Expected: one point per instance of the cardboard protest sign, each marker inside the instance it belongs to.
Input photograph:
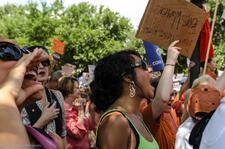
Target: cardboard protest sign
(165, 21)
(58, 46)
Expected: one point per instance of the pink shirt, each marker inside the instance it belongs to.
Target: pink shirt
(77, 133)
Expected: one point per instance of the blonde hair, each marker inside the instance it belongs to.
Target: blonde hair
(205, 79)
(3, 39)
(185, 114)
(66, 85)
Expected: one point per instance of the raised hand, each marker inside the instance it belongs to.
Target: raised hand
(173, 53)
(11, 87)
(10, 93)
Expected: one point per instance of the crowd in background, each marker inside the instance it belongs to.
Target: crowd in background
(123, 105)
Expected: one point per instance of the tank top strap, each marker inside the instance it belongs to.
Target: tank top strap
(128, 120)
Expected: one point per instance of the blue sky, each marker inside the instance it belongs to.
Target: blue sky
(131, 9)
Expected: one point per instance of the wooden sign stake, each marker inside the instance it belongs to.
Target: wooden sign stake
(210, 38)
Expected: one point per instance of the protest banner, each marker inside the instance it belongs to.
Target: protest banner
(165, 21)
(58, 46)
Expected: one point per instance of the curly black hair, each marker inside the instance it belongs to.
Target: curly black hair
(107, 87)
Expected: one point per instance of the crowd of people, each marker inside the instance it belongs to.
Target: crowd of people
(121, 108)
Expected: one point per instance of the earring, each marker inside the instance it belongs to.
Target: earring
(132, 89)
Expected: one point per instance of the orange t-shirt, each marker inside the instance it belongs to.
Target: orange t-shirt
(163, 130)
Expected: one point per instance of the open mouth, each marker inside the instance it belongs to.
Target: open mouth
(31, 75)
(41, 73)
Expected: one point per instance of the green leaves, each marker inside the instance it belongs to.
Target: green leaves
(89, 33)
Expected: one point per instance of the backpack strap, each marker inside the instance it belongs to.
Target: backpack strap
(33, 112)
(196, 133)
(59, 120)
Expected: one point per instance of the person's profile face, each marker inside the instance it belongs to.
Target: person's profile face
(143, 79)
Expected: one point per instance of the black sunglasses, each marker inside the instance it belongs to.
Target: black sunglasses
(9, 51)
(141, 64)
(31, 48)
(46, 62)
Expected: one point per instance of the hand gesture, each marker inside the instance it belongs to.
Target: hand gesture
(11, 87)
(49, 113)
(90, 110)
(173, 53)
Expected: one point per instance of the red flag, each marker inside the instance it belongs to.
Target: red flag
(204, 40)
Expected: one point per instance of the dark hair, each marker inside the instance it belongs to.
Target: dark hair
(108, 78)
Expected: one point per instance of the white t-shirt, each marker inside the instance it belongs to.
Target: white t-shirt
(214, 134)
(183, 134)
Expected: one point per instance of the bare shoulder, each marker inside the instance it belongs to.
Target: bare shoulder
(114, 131)
(114, 119)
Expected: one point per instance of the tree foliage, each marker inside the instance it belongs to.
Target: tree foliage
(89, 32)
(218, 36)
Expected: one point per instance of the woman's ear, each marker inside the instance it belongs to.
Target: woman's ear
(127, 78)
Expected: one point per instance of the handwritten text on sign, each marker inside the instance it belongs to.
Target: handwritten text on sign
(165, 21)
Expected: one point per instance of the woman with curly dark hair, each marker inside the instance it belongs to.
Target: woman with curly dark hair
(121, 82)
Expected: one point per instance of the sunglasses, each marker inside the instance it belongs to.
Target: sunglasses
(31, 48)
(46, 62)
(141, 64)
(145, 66)
(10, 52)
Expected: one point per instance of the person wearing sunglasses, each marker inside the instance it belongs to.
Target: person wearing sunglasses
(48, 113)
(10, 53)
(14, 64)
(121, 81)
